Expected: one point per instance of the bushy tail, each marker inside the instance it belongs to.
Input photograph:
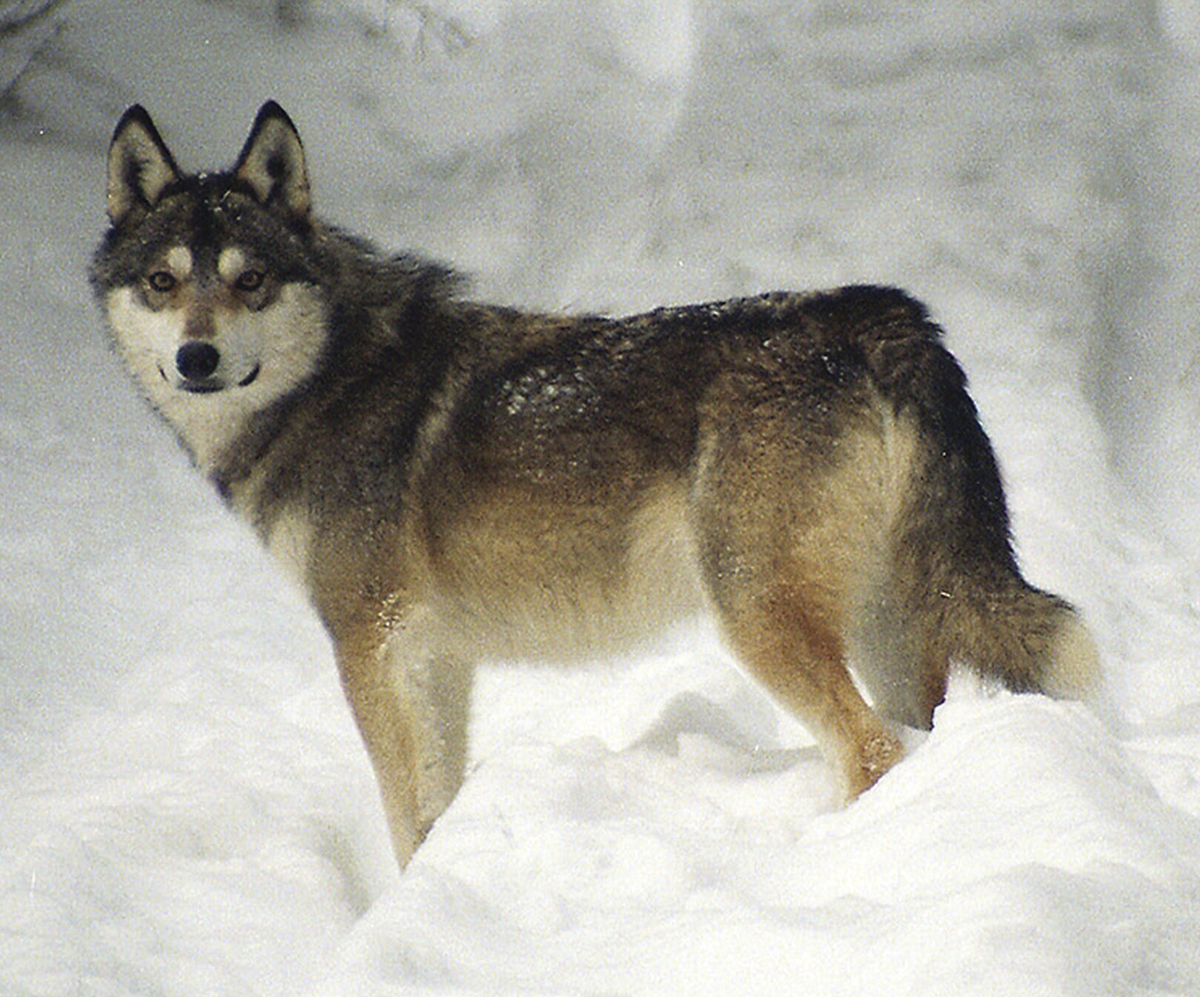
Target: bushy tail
(954, 581)
(1030, 640)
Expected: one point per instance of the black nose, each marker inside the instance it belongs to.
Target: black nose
(196, 361)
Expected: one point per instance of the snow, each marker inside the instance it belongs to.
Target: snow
(187, 808)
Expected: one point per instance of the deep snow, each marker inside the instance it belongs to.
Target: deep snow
(187, 808)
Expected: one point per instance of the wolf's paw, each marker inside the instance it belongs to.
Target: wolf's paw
(876, 754)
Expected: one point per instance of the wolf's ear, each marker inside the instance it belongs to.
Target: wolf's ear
(272, 162)
(140, 166)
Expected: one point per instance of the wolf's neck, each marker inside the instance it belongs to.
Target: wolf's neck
(206, 432)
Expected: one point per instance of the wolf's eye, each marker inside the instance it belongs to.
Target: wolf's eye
(249, 280)
(161, 281)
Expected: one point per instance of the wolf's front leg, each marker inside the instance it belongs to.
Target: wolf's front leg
(411, 706)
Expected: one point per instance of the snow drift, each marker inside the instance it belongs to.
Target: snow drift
(187, 809)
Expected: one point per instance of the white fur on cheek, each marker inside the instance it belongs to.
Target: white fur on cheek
(301, 335)
(147, 339)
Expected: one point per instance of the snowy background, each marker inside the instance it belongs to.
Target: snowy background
(184, 805)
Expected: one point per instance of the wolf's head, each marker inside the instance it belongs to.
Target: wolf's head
(211, 282)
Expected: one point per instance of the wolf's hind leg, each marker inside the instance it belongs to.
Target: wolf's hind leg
(789, 509)
(793, 645)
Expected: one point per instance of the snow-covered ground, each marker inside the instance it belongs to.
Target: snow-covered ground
(185, 806)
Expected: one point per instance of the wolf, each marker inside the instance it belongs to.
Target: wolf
(453, 481)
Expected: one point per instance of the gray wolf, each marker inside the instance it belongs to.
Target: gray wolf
(450, 480)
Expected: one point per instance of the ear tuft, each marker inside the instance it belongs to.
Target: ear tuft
(272, 162)
(140, 166)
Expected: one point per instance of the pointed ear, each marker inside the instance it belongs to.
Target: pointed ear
(140, 166)
(272, 162)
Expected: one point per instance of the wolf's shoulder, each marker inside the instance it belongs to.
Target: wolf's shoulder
(357, 271)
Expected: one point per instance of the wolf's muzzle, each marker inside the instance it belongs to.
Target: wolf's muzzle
(197, 365)
(197, 361)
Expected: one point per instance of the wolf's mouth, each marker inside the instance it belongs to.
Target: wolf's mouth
(208, 385)
(205, 387)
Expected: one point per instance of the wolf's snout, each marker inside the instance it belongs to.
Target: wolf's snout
(196, 361)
